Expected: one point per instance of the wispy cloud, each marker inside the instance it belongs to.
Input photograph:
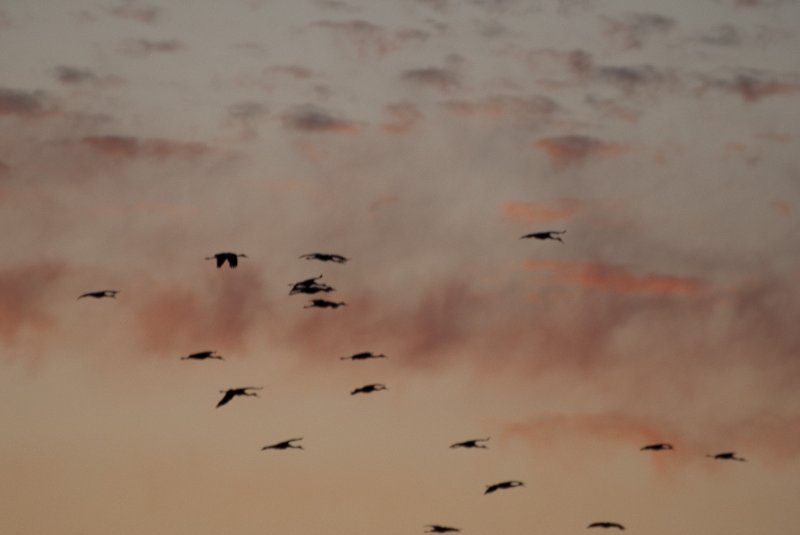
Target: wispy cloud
(145, 47)
(370, 40)
(133, 147)
(441, 79)
(145, 14)
(518, 109)
(542, 212)
(751, 85)
(25, 294)
(577, 149)
(401, 117)
(23, 103)
(633, 30)
(314, 119)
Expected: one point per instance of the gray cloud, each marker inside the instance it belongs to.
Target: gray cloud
(635, 29)
(314, 119)
(24, 103)
(434, 77)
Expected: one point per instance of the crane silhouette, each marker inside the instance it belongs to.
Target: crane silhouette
(285, 445)
(436, 528)
(367, 389)
(727, 456)
(471, 443)
(546, 235)
(325, 257)
(310, 286)
(364, 356)
(324, 303)
(606, 525)
(100, 294)
(231, 258)
(503, 485)
(657, 447)
(203, 355)
(241, 391)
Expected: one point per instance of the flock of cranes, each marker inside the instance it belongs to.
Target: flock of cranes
(312, 286)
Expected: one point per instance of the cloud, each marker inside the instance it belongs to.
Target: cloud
(143, 47)
(401, 117)
(437, 78)
(371, 40)
(522, 109)
(295, 71)
(25, 295)
(22, 103)
(611, 108)
(751, 85)
(313, 119)
(73, 75)
(636, 79)
(723, 35)
(140, 13)
(133, 147)
(634, 29)
(542, 212)
(616, 278)
(247, 115)
(220, 315)
(576, 149)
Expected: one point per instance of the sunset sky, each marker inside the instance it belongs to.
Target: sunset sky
(420, 139)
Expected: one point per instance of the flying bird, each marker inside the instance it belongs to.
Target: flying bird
(233, 392)
(369, 389)
(503, 485)
(546, 235)
(471, 443)
(727, 456)
(310, 286)
(203, 355)
(231, 258)
(606, 525)
(436, 528)
(657, 447)
(324, 303)
(325, 257)
(364, 356)
(286, 444)
(100, 294)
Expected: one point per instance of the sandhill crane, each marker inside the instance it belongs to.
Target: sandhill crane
(324, 303)
(657, 447)
(203, 355)
(310, 286)
(364, 356)
(503, 485)
(436, 528)
(241, 391)
(546, 235)
(606, 525)
(100, 294)
(286, 444)
(727, 456)
(366, 389)
(471, 443)
(325, 257)
(231, 258)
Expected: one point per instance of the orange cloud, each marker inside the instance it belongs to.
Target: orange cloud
(402, 118)
(576, 149)
(132, 147)
(24, 298)
(535, 212)
(616, 278)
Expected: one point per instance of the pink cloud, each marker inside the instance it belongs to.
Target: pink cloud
(25, 294)
(542, 212)
(616, 278)
(401, 118)
(576, 149)
(132, 147)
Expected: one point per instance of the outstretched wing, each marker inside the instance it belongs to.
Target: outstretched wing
(229, 395)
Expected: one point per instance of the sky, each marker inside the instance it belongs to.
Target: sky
(420, 139)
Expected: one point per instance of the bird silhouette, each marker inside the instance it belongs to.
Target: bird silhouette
(471, 443)
(657, 447)
(286, 444)
(503, 485)
(546, 235)
(100, 294)
(241, 391)
(727, 456)
(310, 286)
(606, 525)
(203, 355)
(231, 258)
(324, 303)
(364, 356)
(325, 257)
(369, 389)
(436, 528)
